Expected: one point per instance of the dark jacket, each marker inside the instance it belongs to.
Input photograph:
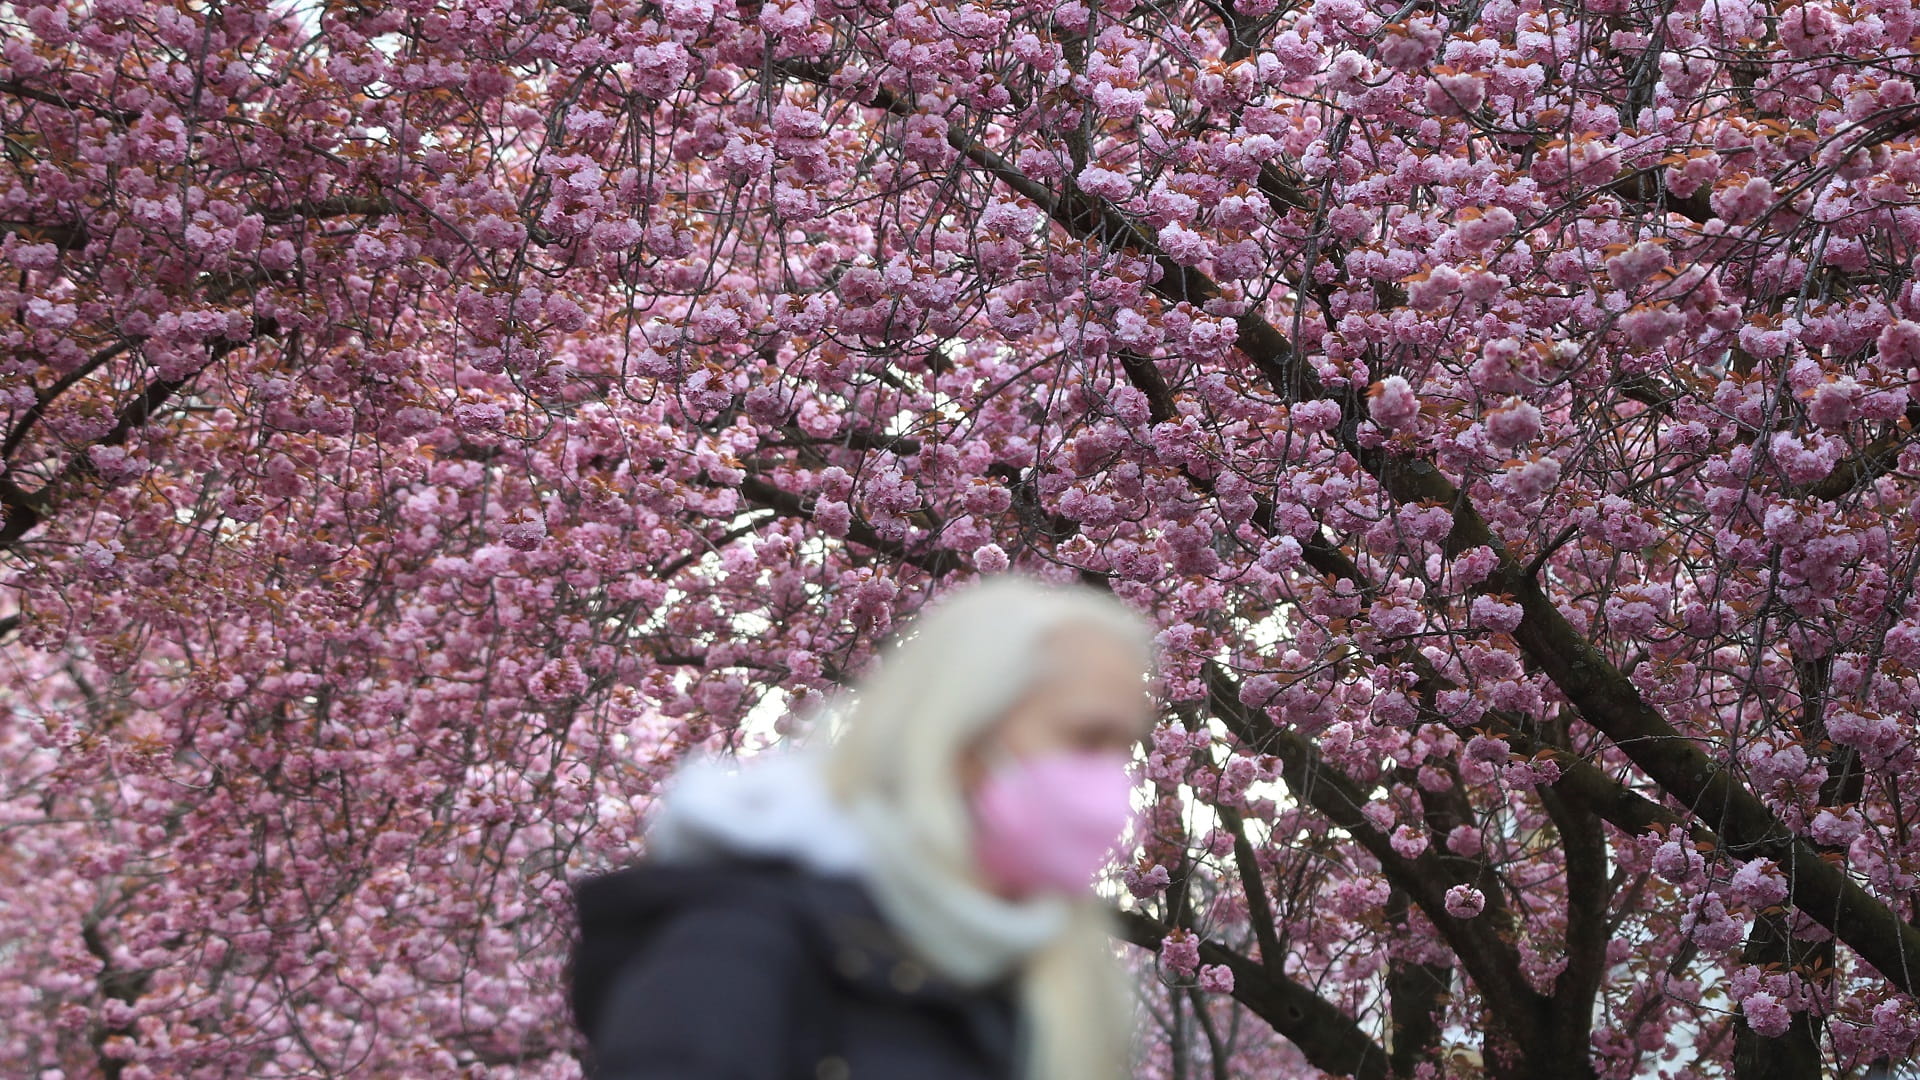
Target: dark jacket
(758, 971)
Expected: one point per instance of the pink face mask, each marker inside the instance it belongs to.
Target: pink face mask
(1047, 823)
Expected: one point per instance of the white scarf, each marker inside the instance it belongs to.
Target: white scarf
(777, 805)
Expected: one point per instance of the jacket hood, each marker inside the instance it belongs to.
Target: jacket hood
(620, 912)
(771, 806)
(721, 831)
(719, 827)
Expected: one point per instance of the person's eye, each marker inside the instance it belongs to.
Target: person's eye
(1101, 736)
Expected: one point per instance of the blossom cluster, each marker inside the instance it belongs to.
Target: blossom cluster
(422, 423)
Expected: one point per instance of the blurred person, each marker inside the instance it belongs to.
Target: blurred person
(911, 900)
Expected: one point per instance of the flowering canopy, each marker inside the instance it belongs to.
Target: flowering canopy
(421, 421)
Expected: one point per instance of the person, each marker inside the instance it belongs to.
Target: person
(912, 900)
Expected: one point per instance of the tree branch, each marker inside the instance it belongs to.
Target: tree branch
(1602, 693)
(1608, 700)
(46, 397)
(1876, 459)
(47, 97)
(937, 562)
(26, 509)
(338, 206)
(1491, 961)
(65, 235)
(1589, 894)
(1254, 886)
(1415, 995)
(1330, 1039)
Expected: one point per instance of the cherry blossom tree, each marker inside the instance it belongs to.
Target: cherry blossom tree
(424, 422)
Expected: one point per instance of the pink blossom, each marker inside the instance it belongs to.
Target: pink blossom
(1496, 614)
(100, 558)
(1313, 416)
(1804, 459)
(833, 516)
(1413, 46)
(1899, 343)
(1757, 884)
(114, 464)
(1465, 901)
(1807, 30)
(1531, 773)
(1392, 404)
(1650, 327)
(1432, 289)
(1636, 265)
(479, 415)
(660, 67)
(1765, 1014)
(1465, 841)
(1482, 286)
(989, 558)
(1105, 183)
(524, 531)
(1833, 829)
(1834, 404)
(1771, 766)
(1708, 922)
(1143, 884)
(1533, 479)
(1676, 861)
(34, 256)
(687, 12)
(1216, 979)
(1408, 841)
(1741, 204)
(1349, 72)
(1180, 952)
(1515, 423)
(1185, 246)
(1118, 101)
(1868, 731)
(1454, 95)
(1486, 227)
(1763, 343)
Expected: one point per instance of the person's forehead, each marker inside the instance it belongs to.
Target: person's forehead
(1114, 673)
(1084, 639)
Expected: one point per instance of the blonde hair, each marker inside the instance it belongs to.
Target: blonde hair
(965, 662)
